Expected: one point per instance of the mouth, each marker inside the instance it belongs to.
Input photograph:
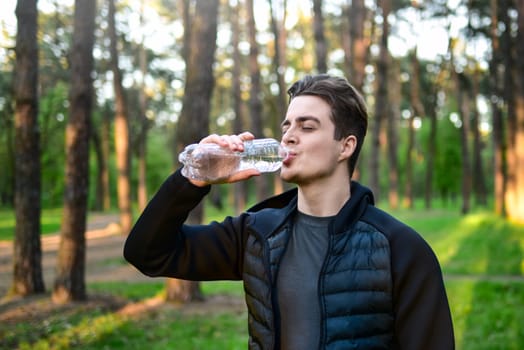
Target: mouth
(289, 158)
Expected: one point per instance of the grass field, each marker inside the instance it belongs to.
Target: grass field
(50, 222)
(481, 256)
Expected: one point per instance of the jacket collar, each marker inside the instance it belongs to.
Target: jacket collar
(352, 211)
(271, 213)
(267, 221)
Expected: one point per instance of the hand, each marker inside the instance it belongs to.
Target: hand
(233, 142)
(236, 144)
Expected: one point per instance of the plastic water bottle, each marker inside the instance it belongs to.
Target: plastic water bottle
(211, 163)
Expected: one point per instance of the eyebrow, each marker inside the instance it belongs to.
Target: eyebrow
(301, 119)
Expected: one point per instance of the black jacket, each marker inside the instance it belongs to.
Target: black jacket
(380, 288)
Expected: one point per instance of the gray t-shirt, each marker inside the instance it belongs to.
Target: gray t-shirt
(297, 282)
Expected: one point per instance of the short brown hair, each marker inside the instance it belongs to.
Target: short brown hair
(348, 109)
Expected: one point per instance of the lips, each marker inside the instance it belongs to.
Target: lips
(289, 158)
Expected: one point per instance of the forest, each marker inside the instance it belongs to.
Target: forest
(98, 97)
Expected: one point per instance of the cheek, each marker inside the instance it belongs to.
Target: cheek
(323, 152)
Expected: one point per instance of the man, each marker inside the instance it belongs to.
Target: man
(322, 267)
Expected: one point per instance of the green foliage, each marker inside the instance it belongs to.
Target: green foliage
(448, 160)
(52, 120)
(160, 159)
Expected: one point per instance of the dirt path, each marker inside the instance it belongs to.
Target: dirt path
(104, 263)
(104, 255)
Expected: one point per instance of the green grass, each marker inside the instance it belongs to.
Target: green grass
(129, 291)
(168, 328)
(487, 315)
(480, 243)
(482, 257)
(50, 222)
(137, 291)
(160, 330)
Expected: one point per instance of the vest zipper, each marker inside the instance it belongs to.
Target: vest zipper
(320, 288)
(274, 292)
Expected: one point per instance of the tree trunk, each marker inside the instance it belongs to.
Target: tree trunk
(279, 64)
(100, 164)
(27, 259)
(417, 109)
(515, 202)
(193, 124)
(509, 94)
(143, 122)
(410, 149)
(255, 97)
(381, 101)
(7, 125)
(499, 139)
(100, 135)
(70, 278)
(463, 100)
(240, 188)
(356, 55)
(393, 121)
(356, 49)
(431, 153)
(279, 60)
(320, 38)
(121, 130)
(105, 139)
(479, 180)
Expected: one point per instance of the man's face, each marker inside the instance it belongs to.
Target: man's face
(308, 131)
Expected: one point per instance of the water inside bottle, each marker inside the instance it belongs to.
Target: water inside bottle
(265, 155)
(263, 163)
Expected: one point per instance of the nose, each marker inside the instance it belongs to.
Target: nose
(288, 137)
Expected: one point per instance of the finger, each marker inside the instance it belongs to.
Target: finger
(233, 142)
(213, 138)
(246, 136)
(237, 141)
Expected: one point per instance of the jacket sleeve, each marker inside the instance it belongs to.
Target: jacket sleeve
(422, 313)
(160, 244)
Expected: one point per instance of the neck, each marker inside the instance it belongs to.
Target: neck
(323, 200)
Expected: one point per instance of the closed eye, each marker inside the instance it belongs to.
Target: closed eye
(306, 123)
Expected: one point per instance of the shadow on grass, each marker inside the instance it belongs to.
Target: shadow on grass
(487, 290)
(36, 323)
(171, 329)
(132, 316)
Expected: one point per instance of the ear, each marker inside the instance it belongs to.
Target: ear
(348, 146)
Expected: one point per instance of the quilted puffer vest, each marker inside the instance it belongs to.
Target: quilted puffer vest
(355, 286)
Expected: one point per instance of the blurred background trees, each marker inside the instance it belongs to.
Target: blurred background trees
(27, 269)
(443, 81)
(70, 271)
